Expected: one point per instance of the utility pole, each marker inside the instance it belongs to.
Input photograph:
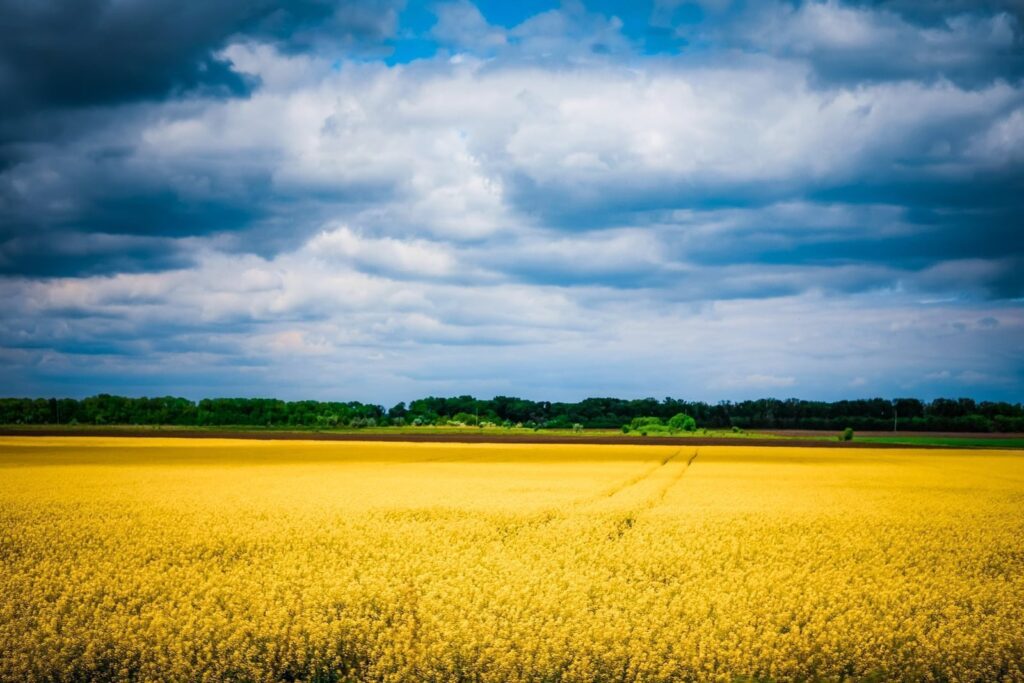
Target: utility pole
(895, 416)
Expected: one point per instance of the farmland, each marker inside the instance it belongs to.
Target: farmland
(209, 559)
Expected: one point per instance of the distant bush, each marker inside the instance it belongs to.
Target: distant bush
(681, 422)
(847, 434)
(654, 425)
(1003, 423)
(577, 427)
(638, 423)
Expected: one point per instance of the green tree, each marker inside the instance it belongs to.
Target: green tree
(681, 422)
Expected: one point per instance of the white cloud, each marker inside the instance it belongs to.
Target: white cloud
(319, 327)
(850, 42)
(444, 142)
(460, 24)
(389, 255)
(1002, 142)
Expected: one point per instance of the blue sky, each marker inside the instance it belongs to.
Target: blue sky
(383, 200)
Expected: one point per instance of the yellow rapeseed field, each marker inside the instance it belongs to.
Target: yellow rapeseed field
(205, 560)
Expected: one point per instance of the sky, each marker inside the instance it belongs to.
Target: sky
(383, 200)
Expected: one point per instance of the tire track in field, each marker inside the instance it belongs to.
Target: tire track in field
(659, 494)
(623, 525)
(595, 503)
(686, 468)
(564, 512)
(631, 481)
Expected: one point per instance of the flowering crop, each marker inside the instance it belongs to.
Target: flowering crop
(204, 560)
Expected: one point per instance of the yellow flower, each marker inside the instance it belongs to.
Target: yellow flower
(176, 560)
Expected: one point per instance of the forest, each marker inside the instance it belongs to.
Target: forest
(941, 414)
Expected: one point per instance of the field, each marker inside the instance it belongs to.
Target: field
(952, 441)
(186, 560)
(999, 440)
(455, 434)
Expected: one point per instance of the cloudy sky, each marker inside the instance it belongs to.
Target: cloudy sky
(382, 200)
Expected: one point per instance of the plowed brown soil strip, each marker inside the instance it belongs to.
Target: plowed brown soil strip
(807, 433)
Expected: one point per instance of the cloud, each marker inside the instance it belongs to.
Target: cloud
(75, 253)
(473, 151)
(852, 44)
(417, 258)
(461, 25)
(527, 200)
(1001, 278)
(936, 12)
(84, 52)
(757, 381)
(315, 324)
(569, 34)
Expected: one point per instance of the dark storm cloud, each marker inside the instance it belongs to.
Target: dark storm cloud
(67, 68)
(576, 204)
(975, 216)
(86, 52)
(937, 12)
(952, 237)
(72, 210)
(83, 254)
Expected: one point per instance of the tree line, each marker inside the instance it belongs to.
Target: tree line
(964, 414)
